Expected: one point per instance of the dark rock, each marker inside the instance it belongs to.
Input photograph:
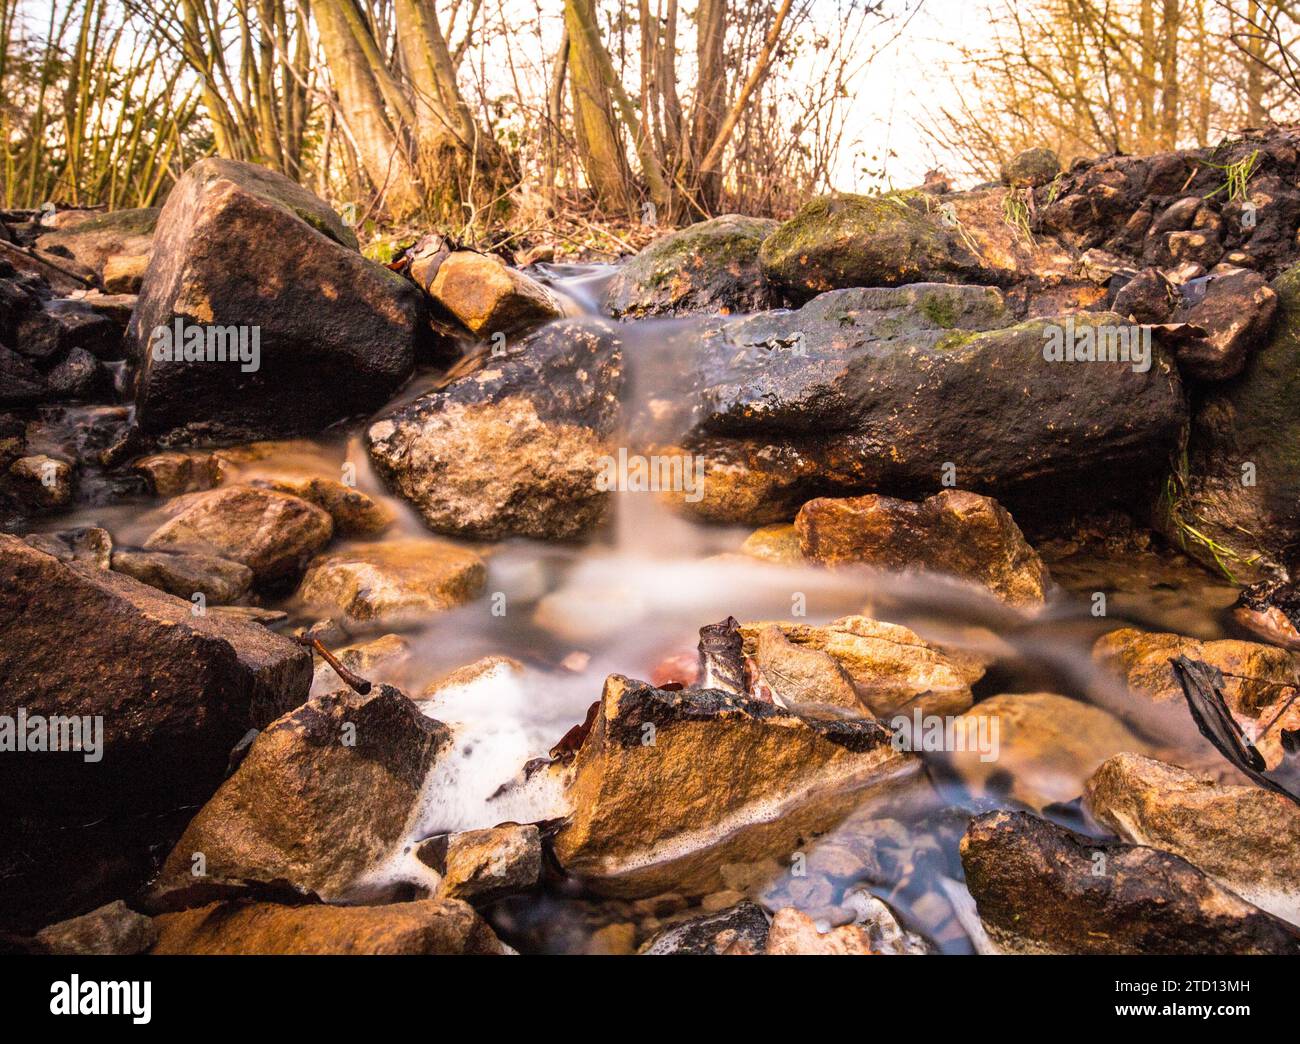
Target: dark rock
(49, 334)
(742, 929)
(1146, 298)
(1031, 168)
(1040, 888)
(112, 930)
(1236, 309)
(80, 376)
(21, 384)
(237, 247)
(710, 267)
(91, 242)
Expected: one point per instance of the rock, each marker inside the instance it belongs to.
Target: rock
(1047, 745)
(488, 297)
(90, 545)
(322, 796)
(854, 393)
(164, 694)
(647, 815)
(272, 533)
(1245, 837)
(21, 384)
(1031, 168)
(80, 376)
(393, 580)
(1236, 308)
(1040, 888)
(892, 669)
(738, 931)
(953, 533)
(518, 448)
(709, 267)
(174, 473)
(112, 930)
(794, 933)
(776, 543)
(1257, 680)
(124, 273)
(428, 926)
(219, 580)
(484, 865)
(1244, 430)
(378, 661)
(489, 667)
(49, 333)
(355, 514)
(799, 675)
(340, 330)
(847, 240)
(116, 234)
(1149, 297)
(44, 482)
(614, 940)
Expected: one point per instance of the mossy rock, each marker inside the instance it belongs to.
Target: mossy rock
(711, 267)
(1211, 508)
(93, 241)
(847, 240)
(1032, 168)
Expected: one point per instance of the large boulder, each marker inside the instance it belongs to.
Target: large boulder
(516, 449)
(855, 393)
(1245, 837)
(242, 253)
(709, 267)
(165, 695)
(1236, 506)
(1040, 888)
(322, 796)
(849, 240)
(668, 786)
(428, 926)
(953, 533)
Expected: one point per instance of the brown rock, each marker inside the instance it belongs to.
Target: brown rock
(355, 514)
(123, 273)
(794, 932)
(489, 297)
(323, 794)
(430, 926)
(272, 533)
(800, 675)
(44, 481)
(393, 580)
(1040, 888)
(171, 474)
(114, 929)
(775, 543)
(219, 580)
(1245, 837)
(649, 813)
(1236, 308)
(92, 242)
(485, 865)
(954, 533)
(379, 660)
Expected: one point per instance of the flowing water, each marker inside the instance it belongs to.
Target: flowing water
(637, 594)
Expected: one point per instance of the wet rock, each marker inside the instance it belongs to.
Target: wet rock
(111, 930)
(124, 273)
(1046, 746)
(854, 393)
(173, 473)
(219, 580)
(272, 533)
(799, 675)
(21, 384)
(776, 543)
(482, 670)
(378, 661)
(738, 931)
(953, 533)
(518, 448)
(89, 545)
(1149, 297)
(43, 482)
(1031, 168)
(488, 297)
(481, 866)
(48, 334)
(708, 267)
(340, 330)
(892, 669)
(323, 794)
(847, 240)
(92, 242)
(393, 580)
(80, 376)
(1257, 682)
(1245, 837)
(1236, 308)
(429, 926)
(647, 815)
(1042, 889)
(355, 514)
(1244, 432)
(794, 933)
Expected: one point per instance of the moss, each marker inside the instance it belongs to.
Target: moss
(940, 309)
(139, 221)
